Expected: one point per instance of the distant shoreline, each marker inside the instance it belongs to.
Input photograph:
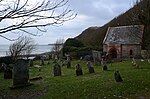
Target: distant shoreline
(31, 55)
(39, 49)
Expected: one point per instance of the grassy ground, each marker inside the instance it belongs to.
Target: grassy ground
(100, 85)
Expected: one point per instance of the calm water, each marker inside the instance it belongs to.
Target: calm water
(38, 49)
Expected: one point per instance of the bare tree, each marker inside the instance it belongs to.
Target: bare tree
(57, 48)
(25, 15)
(23, 46)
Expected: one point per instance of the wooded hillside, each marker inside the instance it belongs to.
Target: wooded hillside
(95, 35)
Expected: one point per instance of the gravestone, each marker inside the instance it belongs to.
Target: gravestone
(68, 61)
(48, 63)
(117, 76)
(134, 63)
(3, 67)
(90, 67)
(55, 57)
(30, 62)
(87, 58)
(57, 70)
(7, 73)
(20, 73)
(68, 64)
(103, 63)
(42, 60)
(148, 60)
(63, 63)
(78, 70)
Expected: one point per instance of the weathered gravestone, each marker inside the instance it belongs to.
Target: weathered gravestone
(57, 70)
(42, 60)
(103, 63)
(7, 73)
(30, 62)
(63, 63)
(117, 76)
(68, 61)
(148, 60)
(55, 57)
(90, 67)
(87, 58)
(21, 73)
(3, 67)
(78, 70)
(48, 63)
(134, 63)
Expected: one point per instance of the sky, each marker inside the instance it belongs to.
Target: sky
(89, 13)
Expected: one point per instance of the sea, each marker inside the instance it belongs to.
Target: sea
(39, 49)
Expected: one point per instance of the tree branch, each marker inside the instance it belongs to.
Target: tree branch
(42, 14)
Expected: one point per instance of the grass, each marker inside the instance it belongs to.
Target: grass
(101, 84)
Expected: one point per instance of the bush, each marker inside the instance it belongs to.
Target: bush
(73, 43)
(7, 60)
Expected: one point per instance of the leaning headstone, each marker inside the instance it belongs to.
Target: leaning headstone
(103, 63)
(20, 73)
(117, 76)
(78, 70)
(57, 70)
(90, 67)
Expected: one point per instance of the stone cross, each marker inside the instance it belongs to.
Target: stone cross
(21, 73)
(57, 70)
(78, 70)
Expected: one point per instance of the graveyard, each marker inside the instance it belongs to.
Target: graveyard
(99, 84)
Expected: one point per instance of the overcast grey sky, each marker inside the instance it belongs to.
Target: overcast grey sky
(90, 13)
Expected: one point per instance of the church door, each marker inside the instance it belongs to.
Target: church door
(113, 53)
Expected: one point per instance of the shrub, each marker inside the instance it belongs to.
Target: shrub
(7, 60)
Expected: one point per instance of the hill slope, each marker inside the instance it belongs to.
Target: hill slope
(95, 35)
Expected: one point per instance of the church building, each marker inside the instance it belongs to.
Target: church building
(123, 42)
